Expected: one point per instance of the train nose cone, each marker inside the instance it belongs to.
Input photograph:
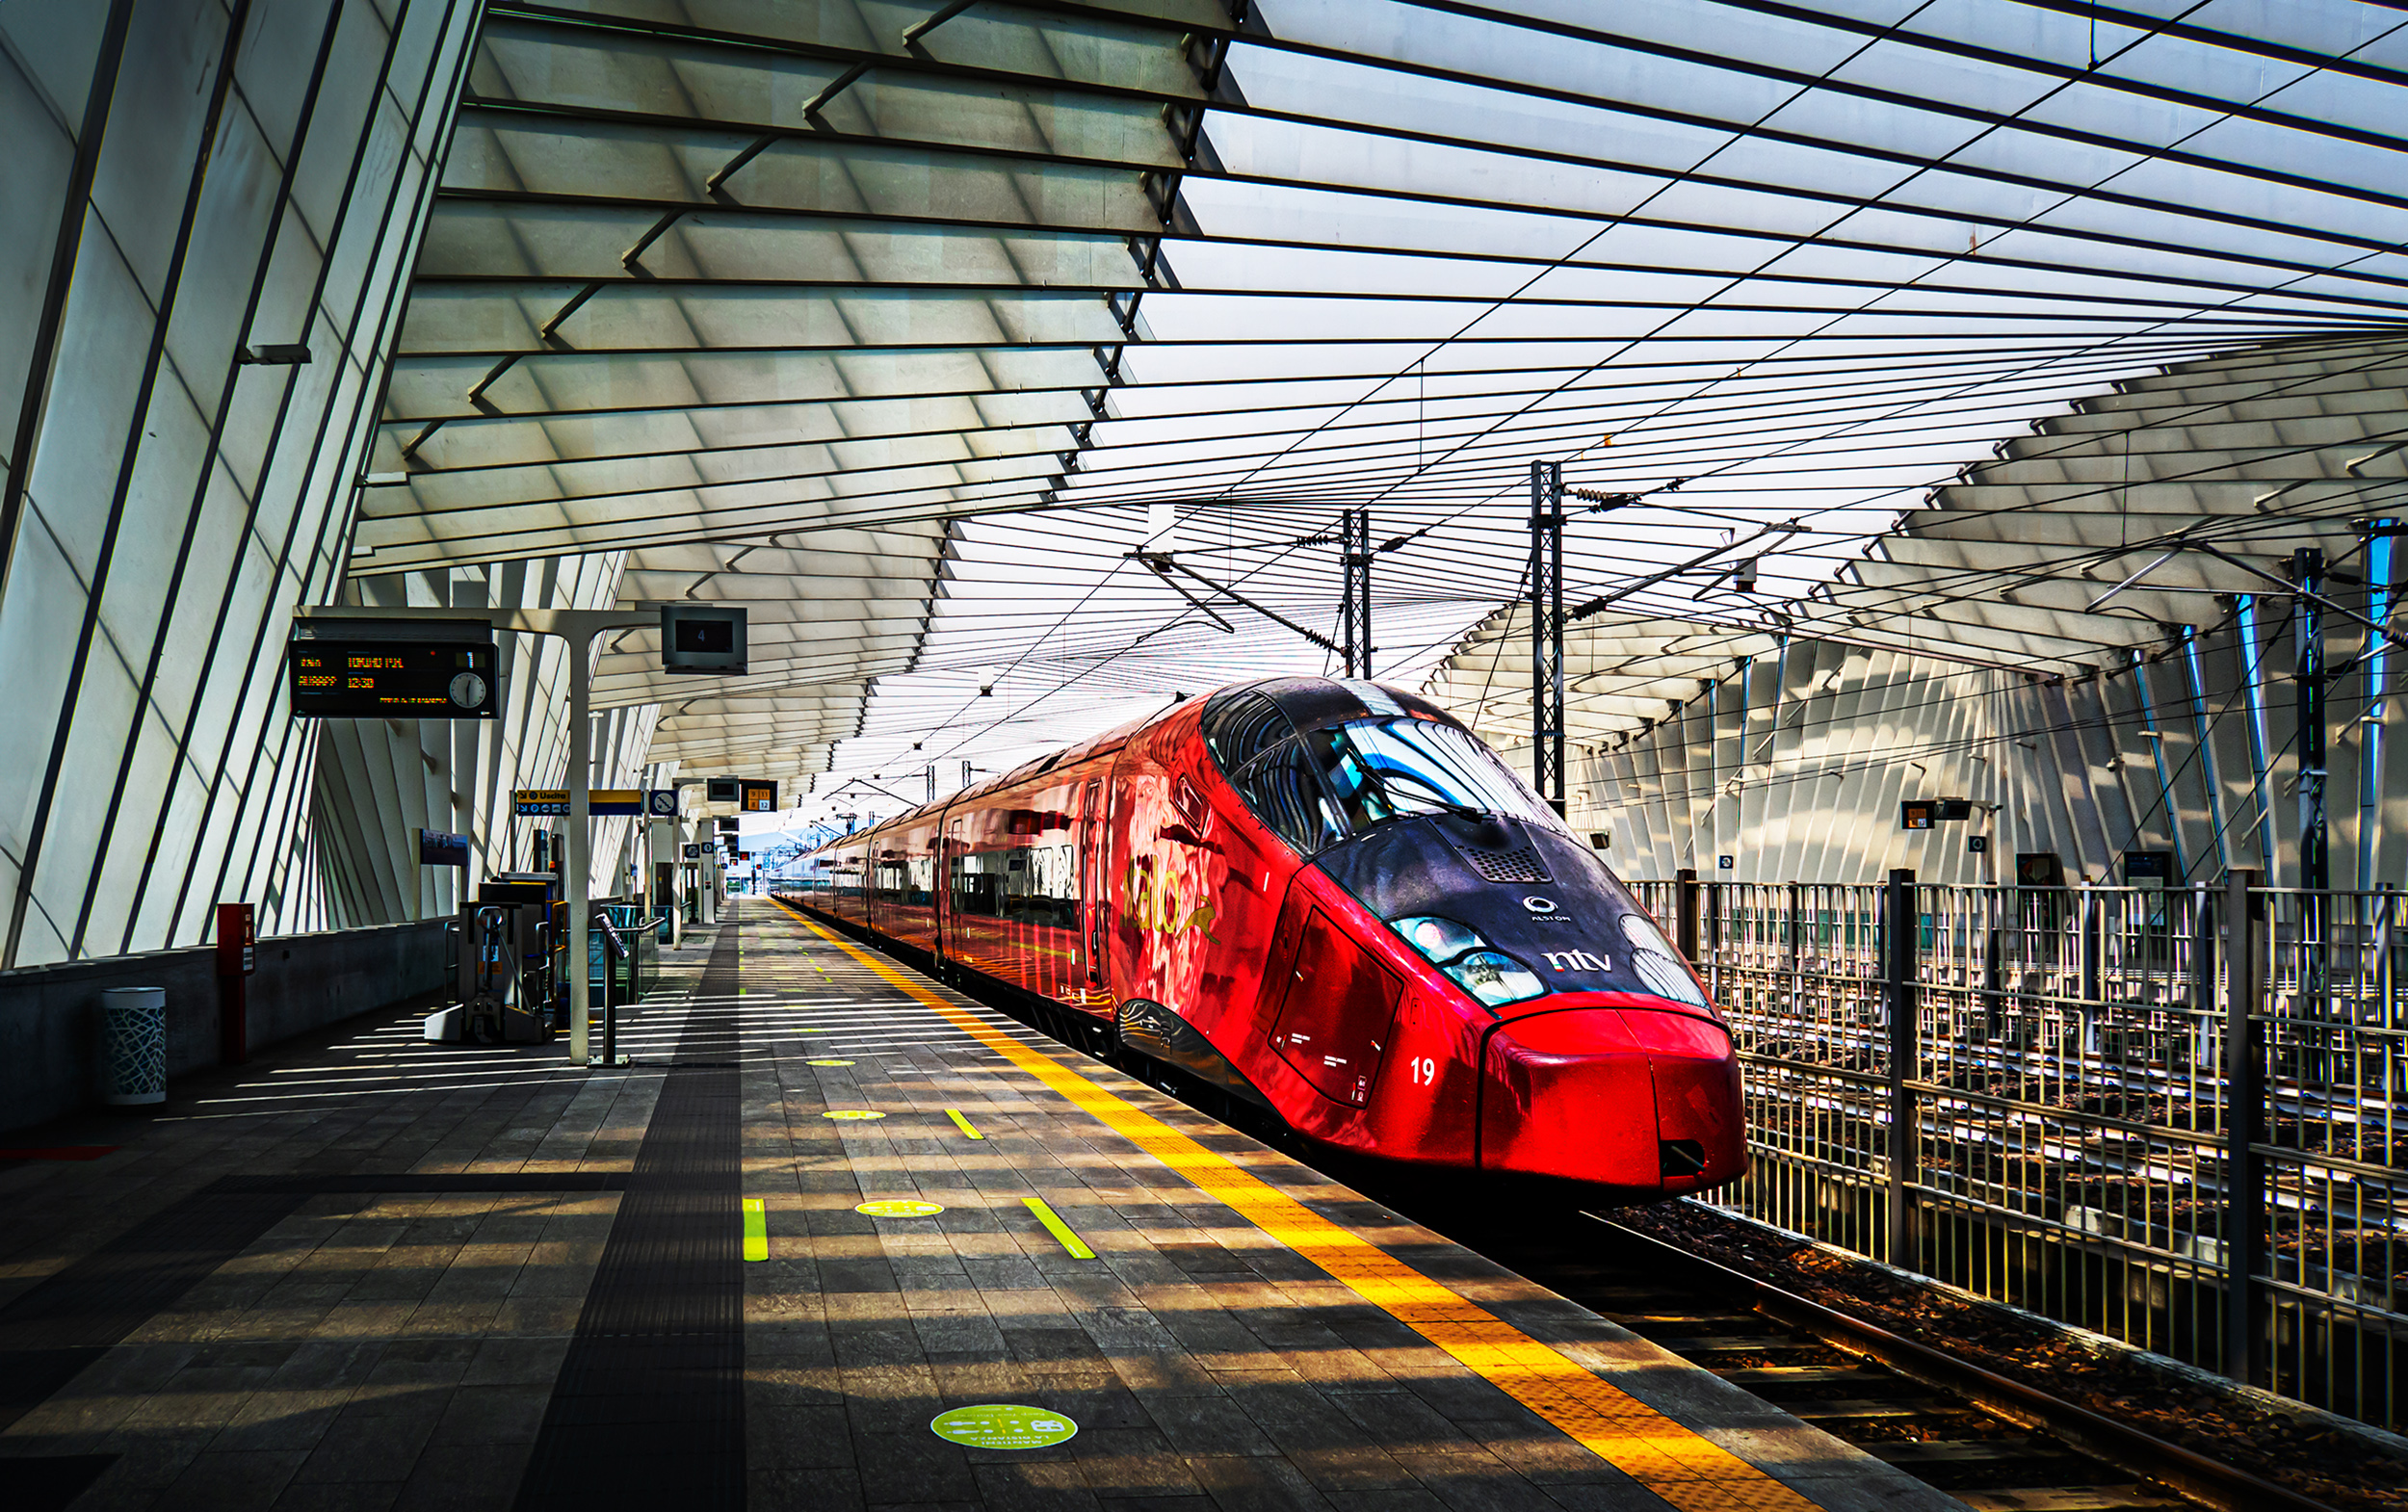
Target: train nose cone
(1643, 1101)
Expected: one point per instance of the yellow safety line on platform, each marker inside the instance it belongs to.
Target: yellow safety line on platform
(1676, 1463)
(954, 1114)
(1060, 1230)
(756, 1229)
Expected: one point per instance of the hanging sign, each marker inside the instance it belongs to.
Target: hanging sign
(390, 678)
(601, 803)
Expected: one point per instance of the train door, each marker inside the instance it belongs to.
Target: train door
(951, 847)
(1094, 907)
(1337, 1011)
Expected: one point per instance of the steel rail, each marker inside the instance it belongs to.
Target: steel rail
(2211, 1481)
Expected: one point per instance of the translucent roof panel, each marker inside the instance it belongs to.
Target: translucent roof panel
(764, 296)
(1780, 286)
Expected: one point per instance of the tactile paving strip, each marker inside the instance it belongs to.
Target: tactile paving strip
(649, 1409)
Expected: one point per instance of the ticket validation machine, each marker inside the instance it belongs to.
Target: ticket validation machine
(503, 970)
(238, 956)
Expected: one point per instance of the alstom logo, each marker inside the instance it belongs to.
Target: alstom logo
(1577, 960)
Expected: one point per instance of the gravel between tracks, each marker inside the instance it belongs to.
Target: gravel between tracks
(2329, 1458)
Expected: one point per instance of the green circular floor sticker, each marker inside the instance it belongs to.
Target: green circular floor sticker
(1003, 1425)
(898, 1208)
(851, 1113)
(827, 1062)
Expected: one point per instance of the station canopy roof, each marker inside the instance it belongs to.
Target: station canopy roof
(1012, 363)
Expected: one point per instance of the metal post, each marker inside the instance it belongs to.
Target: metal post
(1899, 929)
(1546, 632)
(1797, 953)
(2315, 862)
(1354, 535)
(1684, 912)
(2244, 1130)
(1993, 905)
(610, 1000)
(2315, 867)
(2092, 946)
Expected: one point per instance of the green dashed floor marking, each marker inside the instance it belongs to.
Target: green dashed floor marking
(1060, 1230)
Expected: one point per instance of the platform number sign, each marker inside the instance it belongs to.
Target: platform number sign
(1918, 814)
(702, 637)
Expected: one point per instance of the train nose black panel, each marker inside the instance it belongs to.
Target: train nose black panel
(1523, 890)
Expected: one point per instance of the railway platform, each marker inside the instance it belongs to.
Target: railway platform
(836, 1237)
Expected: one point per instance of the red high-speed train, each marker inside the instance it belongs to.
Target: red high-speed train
(1332, 899)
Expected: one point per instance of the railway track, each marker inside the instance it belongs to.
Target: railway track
(1995, 1444)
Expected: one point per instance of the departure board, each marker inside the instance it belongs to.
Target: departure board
(391, 679)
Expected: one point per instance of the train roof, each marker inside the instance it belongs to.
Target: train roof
(1309, 703)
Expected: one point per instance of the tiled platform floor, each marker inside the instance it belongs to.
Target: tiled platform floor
(373, 1348)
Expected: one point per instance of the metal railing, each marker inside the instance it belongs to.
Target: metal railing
(633, 919)
(2173, 1116)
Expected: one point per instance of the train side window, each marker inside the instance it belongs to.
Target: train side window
(979, 885)
(1239, 728)
(1040, 886)
(1282, 789)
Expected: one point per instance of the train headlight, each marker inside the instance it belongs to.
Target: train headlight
(1442, 940)
(1495, 980)
(1651, 958)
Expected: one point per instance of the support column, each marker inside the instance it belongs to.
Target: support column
(1546, 587)
(576, 868)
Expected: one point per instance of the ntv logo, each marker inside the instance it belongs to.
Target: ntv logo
(1577, 960)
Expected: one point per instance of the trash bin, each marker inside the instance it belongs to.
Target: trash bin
(134, 1046)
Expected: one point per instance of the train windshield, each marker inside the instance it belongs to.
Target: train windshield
(1386, 768)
